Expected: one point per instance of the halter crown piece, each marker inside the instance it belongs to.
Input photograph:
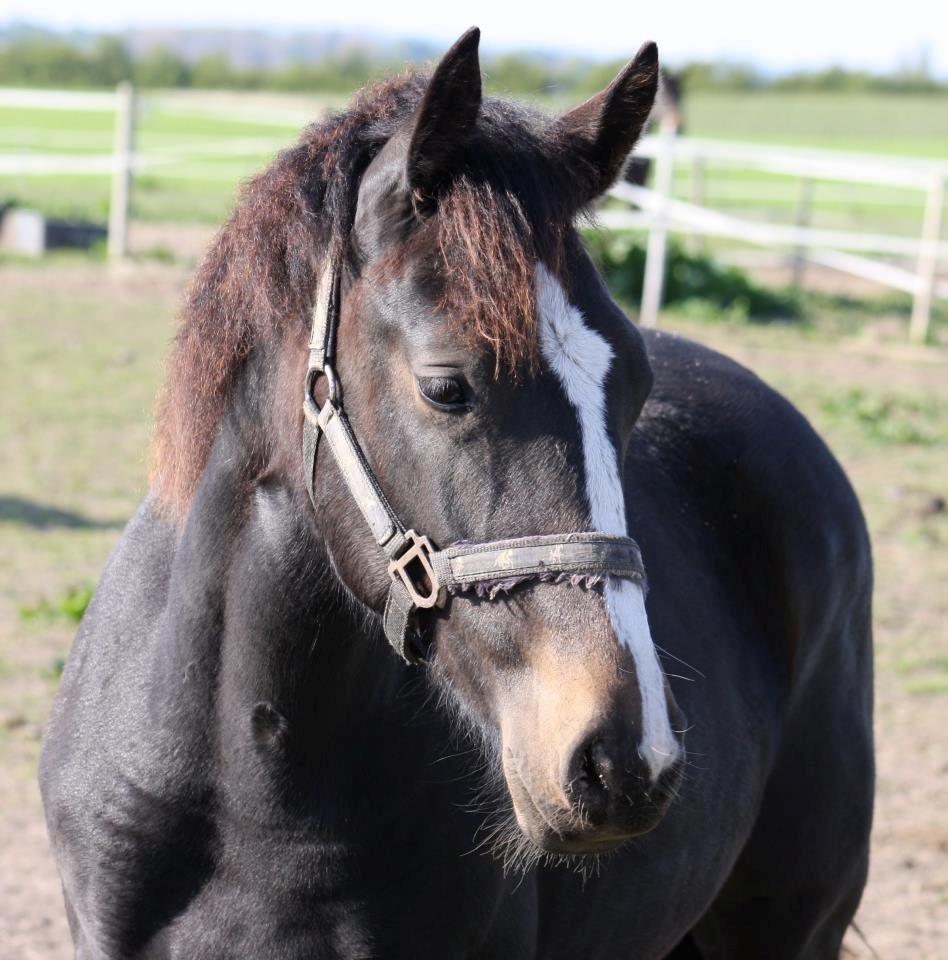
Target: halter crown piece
(422, 576)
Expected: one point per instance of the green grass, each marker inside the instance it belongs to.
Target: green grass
(871, 123)
(693, 282)
(927, 686)
(197, 189)
(202, 189)
(889, 418)
(910, 126)
(70, 607)
(81, 361)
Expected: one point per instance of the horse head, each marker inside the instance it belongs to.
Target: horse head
(493, 386)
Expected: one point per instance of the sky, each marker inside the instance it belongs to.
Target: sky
(775, 36)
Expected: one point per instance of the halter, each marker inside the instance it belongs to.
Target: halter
(423, 577)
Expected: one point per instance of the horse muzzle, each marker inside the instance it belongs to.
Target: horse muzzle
(596, 793)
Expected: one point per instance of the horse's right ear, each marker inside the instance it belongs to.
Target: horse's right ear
(601, 132)
(445, 119)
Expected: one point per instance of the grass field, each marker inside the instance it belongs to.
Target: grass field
(183, 189)
(915, 126)
(82, 347)
(201, 189)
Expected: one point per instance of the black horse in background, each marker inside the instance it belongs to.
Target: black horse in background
(667, 108)
(237, 765)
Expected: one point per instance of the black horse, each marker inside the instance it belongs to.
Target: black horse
(237, 765)
(667, 108)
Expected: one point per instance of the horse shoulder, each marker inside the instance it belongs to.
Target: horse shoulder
(119, 774)
(777, 508)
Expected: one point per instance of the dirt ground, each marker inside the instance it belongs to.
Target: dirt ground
(81, 347)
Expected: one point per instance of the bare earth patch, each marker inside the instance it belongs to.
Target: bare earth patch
(82, 348)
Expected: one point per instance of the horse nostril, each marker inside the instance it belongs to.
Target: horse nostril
(592, 777)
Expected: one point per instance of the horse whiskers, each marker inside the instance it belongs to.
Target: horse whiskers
(453, 756)
(684, 663)
(688, 764)
(499, 834)
(501, 837)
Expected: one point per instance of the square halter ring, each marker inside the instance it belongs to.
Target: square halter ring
(413, 567)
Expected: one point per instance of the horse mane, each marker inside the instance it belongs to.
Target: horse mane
(258, 279)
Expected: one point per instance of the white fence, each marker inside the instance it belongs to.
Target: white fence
(658, 212)
(123, 161)
(654, 210)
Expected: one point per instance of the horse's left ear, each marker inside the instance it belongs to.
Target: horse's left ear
(445, 118)
(602, 132)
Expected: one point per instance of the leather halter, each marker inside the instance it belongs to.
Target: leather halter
(422, 576)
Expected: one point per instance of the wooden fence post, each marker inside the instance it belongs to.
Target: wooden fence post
(654, 278)
(122, 157)
(804, 209)
(927, 260)
(698, 171)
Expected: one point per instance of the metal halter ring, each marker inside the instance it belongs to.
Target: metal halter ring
(312, 375)
(413, 567)
(335, 393)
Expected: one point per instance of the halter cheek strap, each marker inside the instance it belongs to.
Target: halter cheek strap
(423, 577)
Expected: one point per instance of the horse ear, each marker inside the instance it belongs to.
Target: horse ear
(445, 119)
(602, 131)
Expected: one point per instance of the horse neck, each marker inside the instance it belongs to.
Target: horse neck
(288, 652)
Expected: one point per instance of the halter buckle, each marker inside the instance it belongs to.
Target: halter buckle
(414, 568)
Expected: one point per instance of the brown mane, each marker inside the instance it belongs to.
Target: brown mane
(258, 279)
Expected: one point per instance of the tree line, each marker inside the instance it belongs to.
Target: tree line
(49, 62)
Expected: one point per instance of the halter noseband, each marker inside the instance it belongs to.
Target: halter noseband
(422, 576)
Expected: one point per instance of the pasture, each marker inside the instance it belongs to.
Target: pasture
(82, 347)
(200, 145)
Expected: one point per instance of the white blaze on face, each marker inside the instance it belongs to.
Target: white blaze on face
(581, 358)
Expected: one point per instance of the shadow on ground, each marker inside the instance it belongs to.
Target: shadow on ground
(43, 517)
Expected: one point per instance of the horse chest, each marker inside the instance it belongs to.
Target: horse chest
(293, 898)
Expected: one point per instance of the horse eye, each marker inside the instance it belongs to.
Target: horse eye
(444, 392)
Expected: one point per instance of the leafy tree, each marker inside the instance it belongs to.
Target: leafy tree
(48, 61)
(44, 63)
(162, 68)
(513, 73)
(110, 62)
(213, 72)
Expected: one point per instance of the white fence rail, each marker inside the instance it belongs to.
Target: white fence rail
(56, 99)
(654, 211)
(818, 164)
(658, 213)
